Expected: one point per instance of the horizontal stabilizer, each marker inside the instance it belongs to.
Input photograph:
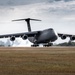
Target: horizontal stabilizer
(27, 19)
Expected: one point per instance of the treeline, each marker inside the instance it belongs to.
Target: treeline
(66, 44)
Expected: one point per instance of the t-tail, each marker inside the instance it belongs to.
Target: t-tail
(28, 22)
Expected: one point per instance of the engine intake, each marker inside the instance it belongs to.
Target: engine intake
(24, 37)
(12, 38)
(63, 37)
(72, 38)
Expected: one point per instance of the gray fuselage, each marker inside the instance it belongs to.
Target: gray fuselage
(44, 36)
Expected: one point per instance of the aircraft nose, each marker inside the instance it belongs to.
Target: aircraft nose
(53, 35)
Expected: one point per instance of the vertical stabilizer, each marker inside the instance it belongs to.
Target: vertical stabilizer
(28, 22)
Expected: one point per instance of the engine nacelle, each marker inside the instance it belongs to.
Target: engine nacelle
(63, 37)
(24, 37)
(72, 38)
(12, 38)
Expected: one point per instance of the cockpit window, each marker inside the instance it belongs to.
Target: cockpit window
(51, 29)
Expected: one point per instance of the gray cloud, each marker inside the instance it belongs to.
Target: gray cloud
(68, 0)
(25, 2)
(19, 2)
(58, 8)
(59, 0)
(61, 8)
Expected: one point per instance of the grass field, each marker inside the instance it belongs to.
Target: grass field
(37, 61)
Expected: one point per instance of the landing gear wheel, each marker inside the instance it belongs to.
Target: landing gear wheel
(35, 45)
(48, 45)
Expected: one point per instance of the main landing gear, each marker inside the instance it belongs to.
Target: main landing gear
(35, 45)
(45, 45)
(48, 45)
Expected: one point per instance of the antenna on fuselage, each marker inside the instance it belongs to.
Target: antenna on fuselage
(28, 22)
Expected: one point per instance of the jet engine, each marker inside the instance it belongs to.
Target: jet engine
(72, 38)
(63, 37)
(24, 37)
(12, 38)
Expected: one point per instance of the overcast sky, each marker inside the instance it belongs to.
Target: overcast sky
(56, 14)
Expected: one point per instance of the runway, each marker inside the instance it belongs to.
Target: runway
(37, 61)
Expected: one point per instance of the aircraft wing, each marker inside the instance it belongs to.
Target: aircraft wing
(68, 35)
(63, 36)
(28, 34)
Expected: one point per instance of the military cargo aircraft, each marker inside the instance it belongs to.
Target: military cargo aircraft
(45, 37)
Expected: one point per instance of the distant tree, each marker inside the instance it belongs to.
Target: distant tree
(66, 44)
